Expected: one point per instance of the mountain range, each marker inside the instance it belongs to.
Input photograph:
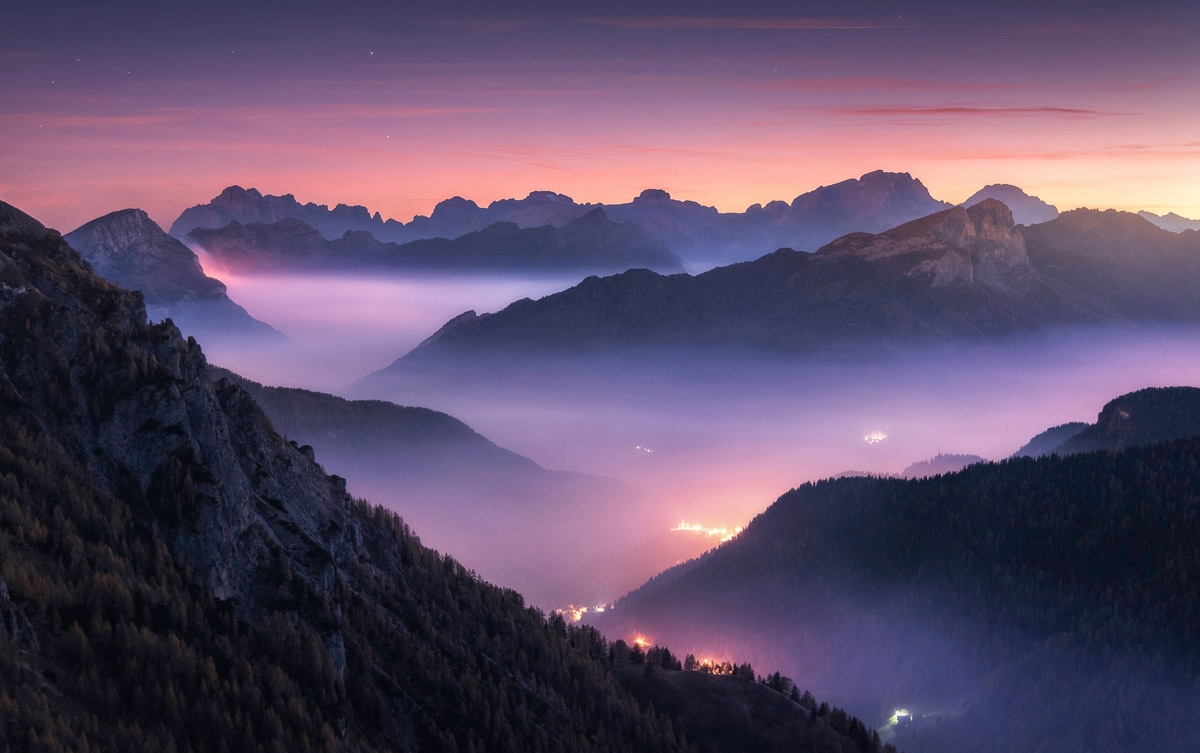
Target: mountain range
(129, 249)
(956, 275)
(175, 575)
(1008, 606)
(1170, 221)
(591, 242)
(700, 234)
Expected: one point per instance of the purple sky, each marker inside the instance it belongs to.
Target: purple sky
(399, 105)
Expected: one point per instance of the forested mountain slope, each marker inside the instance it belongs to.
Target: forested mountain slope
(1031, 605)
(176, 577)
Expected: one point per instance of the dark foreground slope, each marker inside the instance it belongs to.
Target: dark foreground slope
(1031, 605)
(174, 576)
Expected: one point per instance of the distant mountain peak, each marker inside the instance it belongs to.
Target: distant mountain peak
(454, 203)
(1170, 221)
(653, 194)
(1026, 209)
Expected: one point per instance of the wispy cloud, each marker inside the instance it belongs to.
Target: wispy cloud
(1076, 29)
(970, 111)
(178, 115)
(858, 83)
(734, 23)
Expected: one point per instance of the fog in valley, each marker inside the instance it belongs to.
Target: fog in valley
(660, 438)
(650, 457)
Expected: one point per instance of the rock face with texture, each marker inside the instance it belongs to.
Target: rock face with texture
(14, 624)
(136, 408)
(128, 248)
(966, 246)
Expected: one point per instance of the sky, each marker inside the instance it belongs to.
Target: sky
(396, 106)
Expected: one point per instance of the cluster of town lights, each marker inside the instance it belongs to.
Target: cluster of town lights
(724, 534)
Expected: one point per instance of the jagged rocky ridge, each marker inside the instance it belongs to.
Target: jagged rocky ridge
(959, 273)
(963, 274)
(192, 580)
(589, 243)
(131, 250)
(701, 234)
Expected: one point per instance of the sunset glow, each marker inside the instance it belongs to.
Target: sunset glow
(401, 107)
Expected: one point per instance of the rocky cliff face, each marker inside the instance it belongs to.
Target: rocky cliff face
(14, 625)
(131, 401)
(955, 246)
(129, 249)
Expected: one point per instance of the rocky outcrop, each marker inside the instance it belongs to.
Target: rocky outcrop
(955, 246)
(129, 249)
(14, 624)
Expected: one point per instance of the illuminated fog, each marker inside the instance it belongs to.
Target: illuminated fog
(707, 440)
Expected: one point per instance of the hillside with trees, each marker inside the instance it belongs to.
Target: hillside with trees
(175, 576)
(1029, 605)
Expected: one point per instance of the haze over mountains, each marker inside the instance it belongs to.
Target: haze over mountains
(701, 235)
(469, 496)
(588, 243)
(699, 397)
(959, 274)
(176, 575)
(1170, 221)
